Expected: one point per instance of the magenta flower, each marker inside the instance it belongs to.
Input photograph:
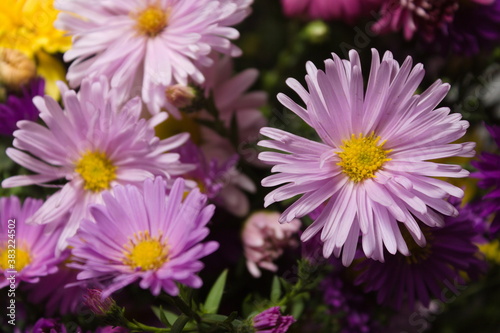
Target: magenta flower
(347, 10)
(371, 166)
(20, 107)
(264, 240)
(148, 43)
(33, 245)
(272, 321)
(146, 236)
(436, 270)
(457, 26)
(49, 325)
(94, 144)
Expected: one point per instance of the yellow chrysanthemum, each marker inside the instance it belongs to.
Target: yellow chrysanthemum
(28, 26)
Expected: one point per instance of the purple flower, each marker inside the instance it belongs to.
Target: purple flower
(476, 26)
(457, 26)
(44, 325)
(347, 10)
(94, 143)
(27, 249)
(147, 236)
(372, 165)
(148, 43)
(272, 321)
(434, 270)
(347, 302)
(20, 106)
(488, 174)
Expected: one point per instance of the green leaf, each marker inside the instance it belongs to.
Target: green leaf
(275, 290)
(298, 308)
(165, 316)
(286, 285)
(179, 324)
(215, 295)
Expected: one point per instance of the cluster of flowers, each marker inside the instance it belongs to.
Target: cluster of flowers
(144, 145)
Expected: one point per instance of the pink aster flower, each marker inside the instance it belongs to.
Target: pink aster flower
(148, 43)
(93, 144)
(371, 166)
(147, 236)
(347, 10)
(25, 249)
(264, 240)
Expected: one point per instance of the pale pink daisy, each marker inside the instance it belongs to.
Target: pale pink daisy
(93, 144)
(143, 46)
(371, 166)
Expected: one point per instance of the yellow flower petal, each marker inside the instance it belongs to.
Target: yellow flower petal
(52, 70)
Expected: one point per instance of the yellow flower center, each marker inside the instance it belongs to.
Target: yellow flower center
(145, 252)
(362, 156)
(96, 170)
(16, 262)
(417, 253)
(152, 20)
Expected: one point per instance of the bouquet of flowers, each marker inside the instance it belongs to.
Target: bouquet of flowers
(249, 166)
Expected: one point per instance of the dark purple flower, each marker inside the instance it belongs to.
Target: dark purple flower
(462, 27)
(434, 270)
(272, 321)
(475, 27)
(347, 302)
(20, 106)
(488, 174)
(48, 326)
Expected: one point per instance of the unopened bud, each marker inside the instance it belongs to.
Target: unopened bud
(181, 96)
(101, 307)
(16, 69)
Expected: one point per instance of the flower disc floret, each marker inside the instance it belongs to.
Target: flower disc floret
(22, 258)
(362, 156)
(152, 20)
(96, 170)
(145, 252)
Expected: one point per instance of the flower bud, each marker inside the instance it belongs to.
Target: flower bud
(16, 69)
(101, 307)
